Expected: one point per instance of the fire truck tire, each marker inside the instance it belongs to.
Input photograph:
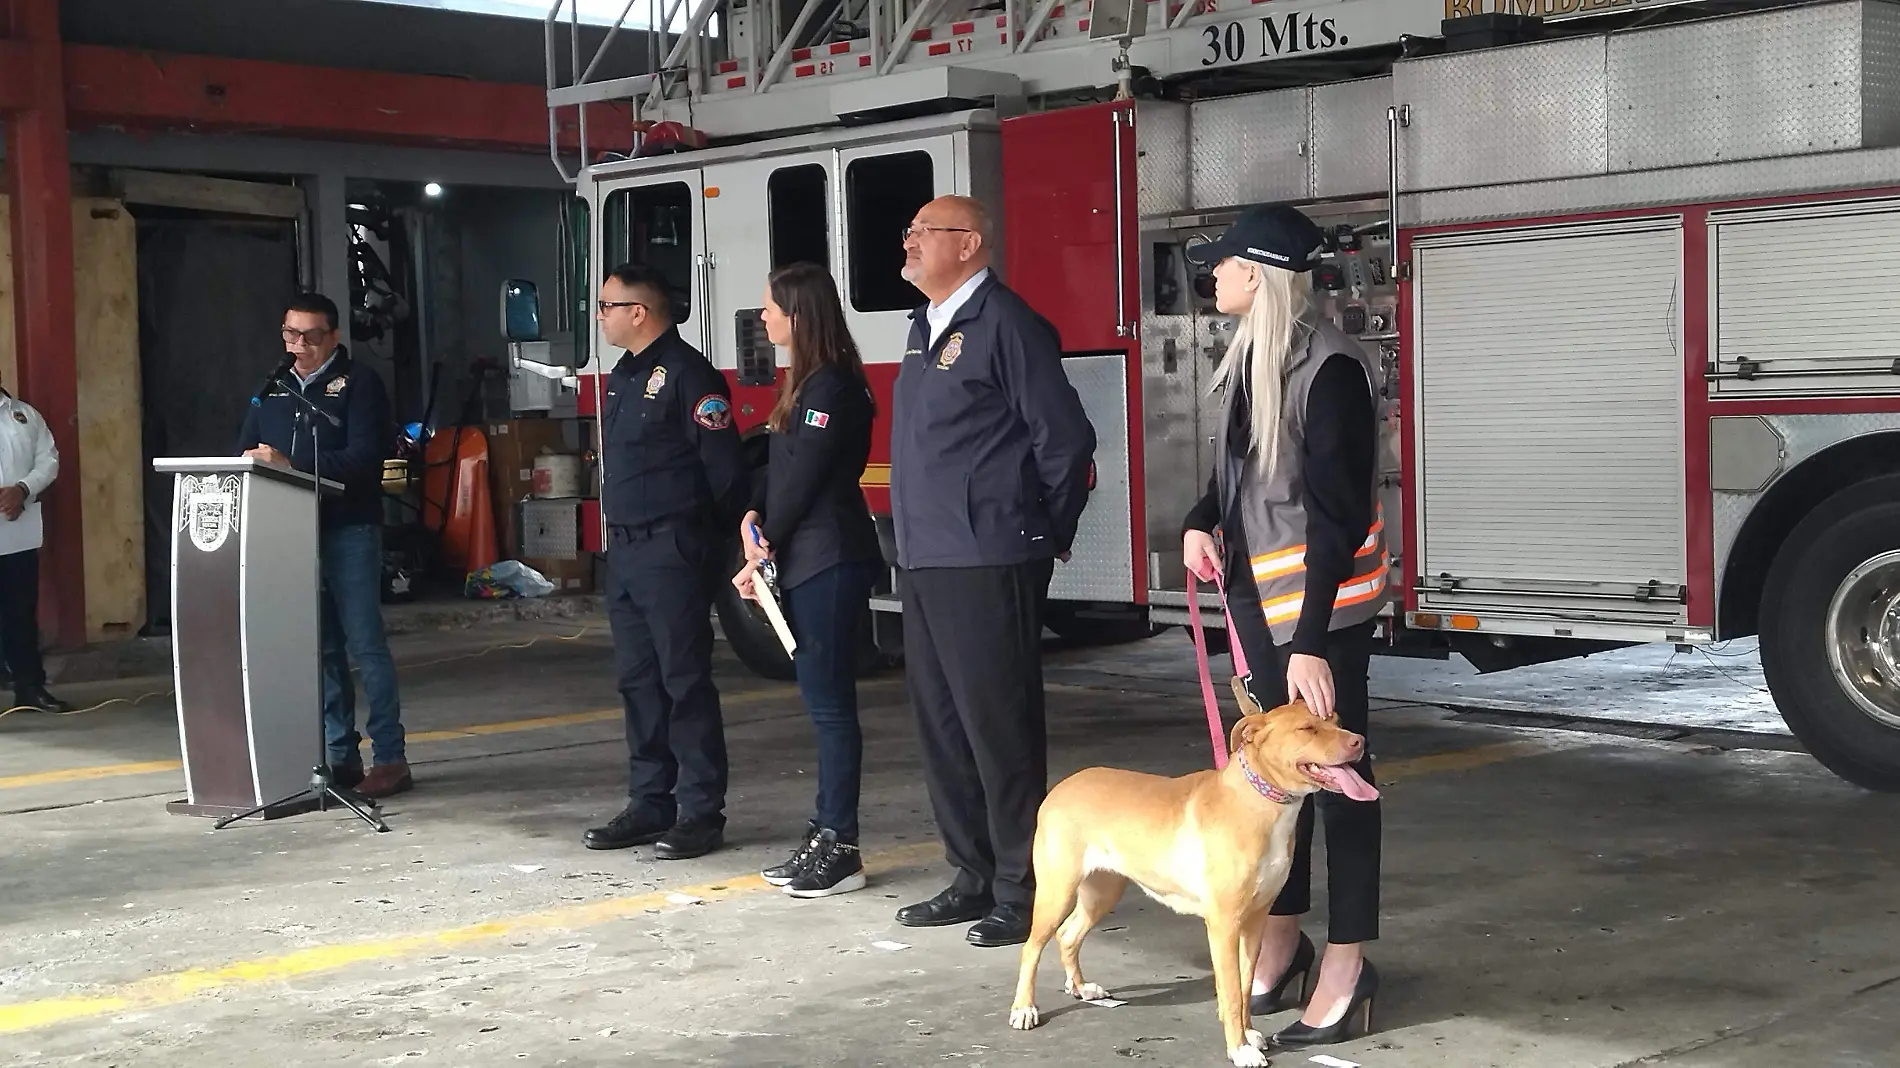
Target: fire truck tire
(757, 646)
(1082, 624)
(1830, 633)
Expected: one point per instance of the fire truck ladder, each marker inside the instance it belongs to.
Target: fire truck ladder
(736, 70)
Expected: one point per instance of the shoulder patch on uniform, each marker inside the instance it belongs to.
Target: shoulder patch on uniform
(656, 382)
(19, 416)
(814, 417)
(335, 385)
(713, 412)
(952, 348)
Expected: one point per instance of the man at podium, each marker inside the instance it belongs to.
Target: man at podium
(277, 431)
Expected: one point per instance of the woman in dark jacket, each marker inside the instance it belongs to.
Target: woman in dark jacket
(809, 518)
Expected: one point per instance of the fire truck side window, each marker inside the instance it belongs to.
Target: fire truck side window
(799, 213)
(653, 224)
(883, 194)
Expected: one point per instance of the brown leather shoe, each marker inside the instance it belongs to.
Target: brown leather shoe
(386, 780)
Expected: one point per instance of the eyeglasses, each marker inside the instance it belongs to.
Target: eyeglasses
(306, 337)
(920, 230)
(606, 306)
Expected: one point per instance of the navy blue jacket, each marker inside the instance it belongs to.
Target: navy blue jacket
(990, 447)
(353, 453)
(811, 508)
(672, 453)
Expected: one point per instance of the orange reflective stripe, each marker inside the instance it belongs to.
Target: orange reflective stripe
(1358, 590)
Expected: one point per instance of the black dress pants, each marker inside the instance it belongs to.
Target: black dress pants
(1353, 828)
(973, 664)
(659, 604)
(19, 619)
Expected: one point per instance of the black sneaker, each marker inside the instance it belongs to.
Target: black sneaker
(795, 864)
(836, 869)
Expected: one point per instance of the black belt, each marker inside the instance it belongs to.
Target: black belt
(630, 532)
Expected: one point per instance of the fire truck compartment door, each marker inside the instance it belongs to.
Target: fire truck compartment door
(1547, 391)
(656, 219)
(761, 214)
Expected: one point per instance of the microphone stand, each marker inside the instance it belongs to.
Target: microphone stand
(323, 788)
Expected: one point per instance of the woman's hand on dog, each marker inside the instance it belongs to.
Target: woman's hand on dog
(1310, 678)
(1201, 554)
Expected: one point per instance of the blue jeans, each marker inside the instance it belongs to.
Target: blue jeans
(825, 613)
(352, 563)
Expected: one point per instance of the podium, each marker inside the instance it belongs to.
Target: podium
(246, 633)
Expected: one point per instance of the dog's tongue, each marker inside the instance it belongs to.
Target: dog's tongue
(1342, 778)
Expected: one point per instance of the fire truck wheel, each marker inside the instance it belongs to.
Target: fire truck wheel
(751, 636)
(1830, 633)
(1087, 624)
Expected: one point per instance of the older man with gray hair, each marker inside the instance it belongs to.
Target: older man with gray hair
(990, 459)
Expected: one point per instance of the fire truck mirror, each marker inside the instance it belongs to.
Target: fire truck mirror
(520, 310)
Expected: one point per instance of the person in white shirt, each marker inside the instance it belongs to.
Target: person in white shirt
(28, 464)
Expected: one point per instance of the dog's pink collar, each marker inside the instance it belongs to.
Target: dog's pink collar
(1267, 790)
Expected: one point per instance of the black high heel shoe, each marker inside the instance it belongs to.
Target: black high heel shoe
(1358, 1010)
(1301, 968)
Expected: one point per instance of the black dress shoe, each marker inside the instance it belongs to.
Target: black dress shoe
(39, 700)
(1358, 1017)
(951, 906)
(1287, 994)
(1006, 925)
(634, 826)
(691, 838)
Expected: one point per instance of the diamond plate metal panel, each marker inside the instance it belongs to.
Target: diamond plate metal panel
(551, 528)
(1730, 89)
(1171, 378)
(1161, 161)
(1103, 567)
(1349, 138)
(1248, 150)
(1880, 74)
(1521, 114)
(1805, 436)
(1786, 175)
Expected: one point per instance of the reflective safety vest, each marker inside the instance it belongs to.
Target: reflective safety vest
(1272, 509)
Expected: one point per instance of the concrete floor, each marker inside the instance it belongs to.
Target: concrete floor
(1558, 891)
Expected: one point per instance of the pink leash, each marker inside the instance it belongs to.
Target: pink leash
(1218, 736)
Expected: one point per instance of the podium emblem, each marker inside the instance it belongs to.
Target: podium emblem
(210, 511)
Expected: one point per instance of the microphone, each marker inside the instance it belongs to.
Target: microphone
(290, 360)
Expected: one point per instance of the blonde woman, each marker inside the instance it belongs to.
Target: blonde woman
(1293, 496)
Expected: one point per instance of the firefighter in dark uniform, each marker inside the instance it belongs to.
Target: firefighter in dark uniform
(674, 483)
(990, 455)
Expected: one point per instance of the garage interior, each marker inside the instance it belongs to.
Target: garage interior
(1601, 862)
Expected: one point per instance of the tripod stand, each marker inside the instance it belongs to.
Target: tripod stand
(323, 788)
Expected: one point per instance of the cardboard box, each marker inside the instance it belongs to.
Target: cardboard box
(572, 575)
(512, 447)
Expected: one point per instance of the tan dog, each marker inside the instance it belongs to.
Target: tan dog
(1213, 844)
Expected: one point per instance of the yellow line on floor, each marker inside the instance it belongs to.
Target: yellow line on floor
(102, 771)
(162, 990)
(473, 730)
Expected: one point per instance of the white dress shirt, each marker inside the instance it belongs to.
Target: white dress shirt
(28, 458)
(940, 315)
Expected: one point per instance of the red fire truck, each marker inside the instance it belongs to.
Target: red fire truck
(1642, 364)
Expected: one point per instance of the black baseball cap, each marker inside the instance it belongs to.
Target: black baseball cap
(1277, 235)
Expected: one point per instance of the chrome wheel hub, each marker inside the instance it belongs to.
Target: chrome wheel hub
(1863, 637)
